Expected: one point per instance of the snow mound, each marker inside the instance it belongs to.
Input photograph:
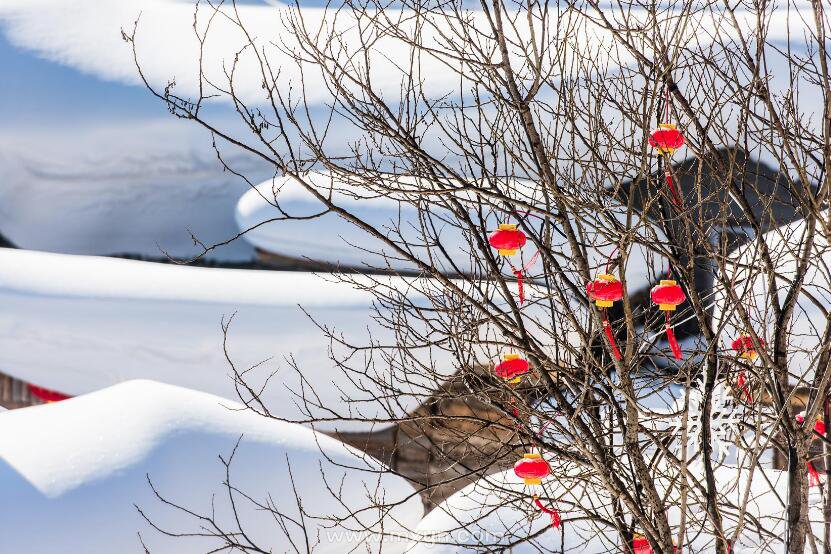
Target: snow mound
(172, 50)
(94, 189)
(72, 472)
(496, 512)
(76, 324)
(748, 278)
(261, 214)
(333, 239)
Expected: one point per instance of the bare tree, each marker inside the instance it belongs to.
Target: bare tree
(539, 115)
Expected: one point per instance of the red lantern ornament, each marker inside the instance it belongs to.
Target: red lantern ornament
(532, 468)
(512, 368)
(819, 428)
(640, 545)
(605, 291)
(668, 296)
(507, 239)
(666, 139)
(47, 395)
(744, 347)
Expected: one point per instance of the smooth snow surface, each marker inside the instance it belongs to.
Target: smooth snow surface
(76, 324)
(168, 48)
(126, 187)
(72, 472)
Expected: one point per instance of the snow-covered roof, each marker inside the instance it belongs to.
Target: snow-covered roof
(262, 212)
(76, 324)
(173, 49)
(748, 279)
(91, 188)
(73, 472)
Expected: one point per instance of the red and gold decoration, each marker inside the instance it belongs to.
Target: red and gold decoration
(532, 469)
(640, 545)
(668, 295)
(507, 239)
(744, 348)
(666, 139)
(512, 368)
(605, 290)
(47, 395)
(819, 425)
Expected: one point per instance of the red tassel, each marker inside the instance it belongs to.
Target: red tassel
(676, 199)
(518, 274)
(813, 475)
(676, 350)
(608, 330)
(555, 515)
(741, 382)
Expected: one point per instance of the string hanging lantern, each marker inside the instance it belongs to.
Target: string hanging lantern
(819, 429)
(519, 272)
(512, 368)
(743, 346)
(605, 290)
(668, 295)
(552, 513)
(666, 139)
(508, 240)
(532, 469)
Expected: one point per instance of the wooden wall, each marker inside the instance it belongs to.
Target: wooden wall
(14, 393)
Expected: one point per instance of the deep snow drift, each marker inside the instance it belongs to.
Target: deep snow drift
(76, 324)
(72, 472)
